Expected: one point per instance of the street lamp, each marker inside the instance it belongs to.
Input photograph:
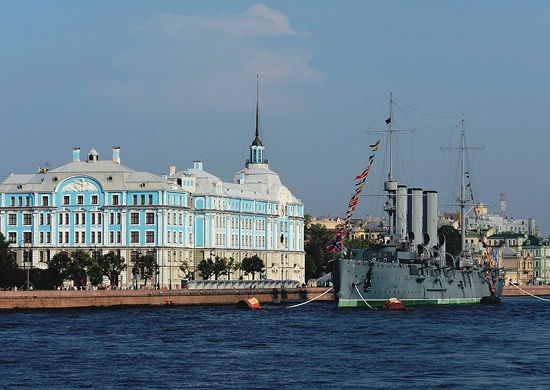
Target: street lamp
(27, 258)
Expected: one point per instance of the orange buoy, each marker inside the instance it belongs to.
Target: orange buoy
(249, 303)
(394, 304)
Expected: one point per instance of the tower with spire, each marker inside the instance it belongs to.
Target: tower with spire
(257, 149)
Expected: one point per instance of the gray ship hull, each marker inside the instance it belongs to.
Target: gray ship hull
(362, 283)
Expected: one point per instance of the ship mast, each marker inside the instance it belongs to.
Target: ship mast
(390, 186)
(463, 201)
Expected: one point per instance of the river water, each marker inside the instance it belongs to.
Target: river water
(315, 346)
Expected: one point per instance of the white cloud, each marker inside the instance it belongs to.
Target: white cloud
(207, 62)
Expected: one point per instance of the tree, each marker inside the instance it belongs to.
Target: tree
(95, 272)
(358, 243)
(58, 267)
(206, 268)
(219, 267)
(453, 239)
(146, 266)
(316, 240)
(8, 265)
(112, 264)
(253, 265)
(232, 266)
(80, 261)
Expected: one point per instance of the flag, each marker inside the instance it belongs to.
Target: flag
(336, 245)
(388, 121)
(375, 145)
(364, 174)
(353, 202)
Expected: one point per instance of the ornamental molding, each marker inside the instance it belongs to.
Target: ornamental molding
(80, 186)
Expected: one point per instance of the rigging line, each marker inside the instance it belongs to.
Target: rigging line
(378, 116)
(411, 119)
(533, 295)
(311, 300)
(366, 303)
(424, 113)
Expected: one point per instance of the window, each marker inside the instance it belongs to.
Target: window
(118, 218)
(27, 201)
(41, 239)
(168, 218)
(118, 237)
(150, 237)
(83, 237)
(111, 237)
(66, 219)
(112, 218)
(60, 238)
(142, 199)
(41, 219)
(76, 237)
(76, 218)
(48, 238)
(134, 237)
(92, 238)
(134, 197)
(27, 219)
(99, 237)
(67, 237)
(12, 201)
(99, 218)
(44, 201)
(134, 218)
(12, 237)
(150, 199)
(66, 199)
(150, 218)
(95, 199)
(93, 219)
(83, 218)
(48, 219)
(80, 199)
(115, 200)
(20, 201)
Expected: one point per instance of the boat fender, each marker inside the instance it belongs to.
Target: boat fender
(385, 259)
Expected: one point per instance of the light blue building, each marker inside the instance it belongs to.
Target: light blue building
(181, 218)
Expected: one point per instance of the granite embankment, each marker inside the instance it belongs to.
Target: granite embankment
(113, 298)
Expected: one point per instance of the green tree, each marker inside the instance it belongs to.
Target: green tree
(95, 273)
(80, 261)
(316, 240)
(253, 265)
(453, 239)
(58, 267)
(232, 266)
(8, 265)
(219, 267)
(206, 268)
(112, 264)
(146, 266)
(358, 243)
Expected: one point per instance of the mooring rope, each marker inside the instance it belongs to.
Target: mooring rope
(366, 303)
(528, 293)
(311, 300)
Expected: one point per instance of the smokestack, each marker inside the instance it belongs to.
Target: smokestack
(401, 211)
(414, 220)
(116, 154)
(76, 154)
(430, 216)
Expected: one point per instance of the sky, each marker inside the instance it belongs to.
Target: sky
(171, 82)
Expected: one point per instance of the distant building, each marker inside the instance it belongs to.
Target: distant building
(181, 218)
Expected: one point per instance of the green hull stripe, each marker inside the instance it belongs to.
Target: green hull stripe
(407, 302)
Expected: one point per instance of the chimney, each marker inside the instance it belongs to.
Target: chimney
(164, 176)
(116, 154)
(172, 170)
(76, 154)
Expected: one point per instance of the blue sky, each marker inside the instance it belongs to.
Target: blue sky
(175, 81)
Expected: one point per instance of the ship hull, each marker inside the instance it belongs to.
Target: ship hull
(362, 283)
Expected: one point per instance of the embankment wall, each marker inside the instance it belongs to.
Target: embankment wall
(111, 298)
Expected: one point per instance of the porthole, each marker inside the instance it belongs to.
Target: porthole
(110, 178)
(54, 179)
